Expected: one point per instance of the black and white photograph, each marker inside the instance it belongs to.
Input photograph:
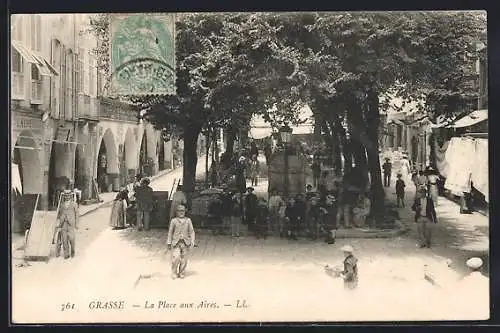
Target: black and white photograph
(269, 167)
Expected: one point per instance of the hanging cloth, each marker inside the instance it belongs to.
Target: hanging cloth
(460, 166)
(441, 164)
(480, 168)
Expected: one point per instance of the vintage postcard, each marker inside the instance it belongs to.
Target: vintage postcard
(249, 167)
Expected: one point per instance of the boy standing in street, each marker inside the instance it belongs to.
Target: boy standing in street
(181, 238)
(387, 167)
(400, 191)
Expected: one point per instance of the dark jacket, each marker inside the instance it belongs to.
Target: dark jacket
(251, 205)
(144, 198)
(300, 209)
(316, 168)
(227, 203)
(400, 186)
(387, 167)
(236, 208)
(291, 213)
(430, 211)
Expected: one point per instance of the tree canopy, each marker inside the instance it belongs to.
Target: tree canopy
(231, 66)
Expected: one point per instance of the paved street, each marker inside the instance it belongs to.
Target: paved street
(249, 279)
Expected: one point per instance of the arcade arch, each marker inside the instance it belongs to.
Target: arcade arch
(107, 162)
(27, 156)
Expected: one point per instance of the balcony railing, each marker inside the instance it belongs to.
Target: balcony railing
(112, 109)
(88, 107)
(18, 86)
(36, 92)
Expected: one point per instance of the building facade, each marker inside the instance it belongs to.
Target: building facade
(63, 129)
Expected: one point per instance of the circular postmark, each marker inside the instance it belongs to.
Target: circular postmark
(143, 76)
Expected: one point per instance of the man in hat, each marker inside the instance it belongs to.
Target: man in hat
(251, 206)
(68, 217)
(181, 238)
(144, 203)
(387, 168)
(400, 191)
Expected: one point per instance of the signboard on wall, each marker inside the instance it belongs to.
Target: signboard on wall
(142, 54)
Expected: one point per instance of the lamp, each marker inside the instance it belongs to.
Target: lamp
(286, 134)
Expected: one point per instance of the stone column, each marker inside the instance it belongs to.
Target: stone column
(92, 160)
(114, 182)
(44, 204)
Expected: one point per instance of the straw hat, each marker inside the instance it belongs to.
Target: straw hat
(347, 248)
(474, 263)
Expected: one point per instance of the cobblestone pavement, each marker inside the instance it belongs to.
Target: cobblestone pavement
(244, 279)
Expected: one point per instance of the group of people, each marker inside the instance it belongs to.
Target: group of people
(425, 199)
(181, 235)
(313, 215)
(142, 197)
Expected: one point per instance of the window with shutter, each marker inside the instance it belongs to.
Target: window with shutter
(78, 71)
(36, 85)
(92, 73)
(55, 81)
(85, 72)
(17, 83)
(69, 85)
(62, 83)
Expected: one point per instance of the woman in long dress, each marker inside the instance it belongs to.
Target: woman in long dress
(118, 219)
(405, 169)
(432, 179)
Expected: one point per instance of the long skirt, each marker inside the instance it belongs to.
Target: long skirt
(118, 217)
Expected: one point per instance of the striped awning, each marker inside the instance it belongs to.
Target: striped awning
(35, 58)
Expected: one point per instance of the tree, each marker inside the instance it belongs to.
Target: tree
(408, 54)
(221, 62)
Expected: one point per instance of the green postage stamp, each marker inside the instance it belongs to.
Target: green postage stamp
(142, 54)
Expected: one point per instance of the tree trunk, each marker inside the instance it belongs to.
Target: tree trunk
(190, 137)
(231, 138)
(357, 132)
(377, 190)
(328, 140)
(336, 146)
(207, 157)
(318, 124)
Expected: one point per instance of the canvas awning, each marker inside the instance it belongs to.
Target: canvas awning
(472, 118)
(35, 58)
(16, 178)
